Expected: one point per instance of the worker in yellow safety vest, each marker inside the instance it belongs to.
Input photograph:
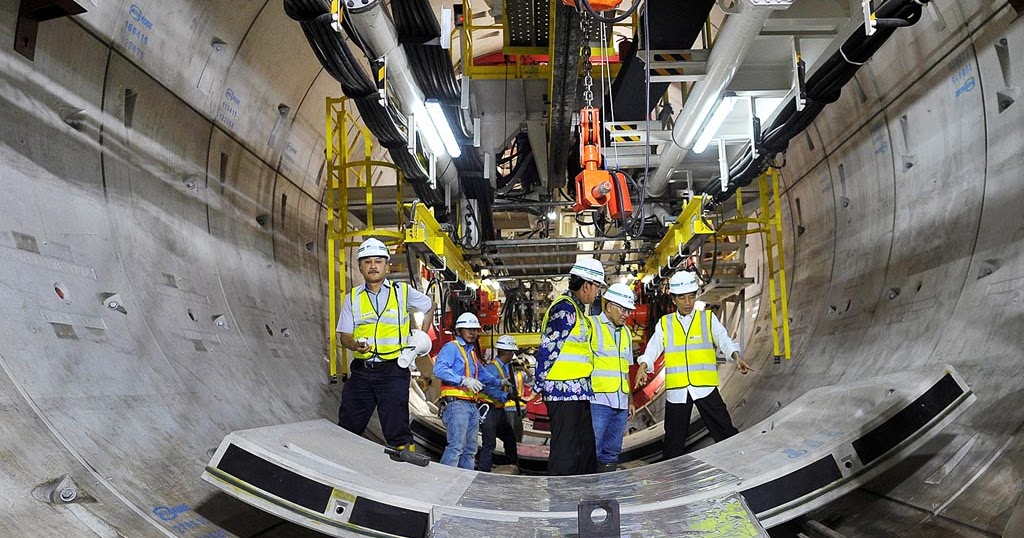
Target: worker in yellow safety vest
(612, 405)
(564, 364)
(463, 379)
(374, 323)
(497, 424)
(688, 338)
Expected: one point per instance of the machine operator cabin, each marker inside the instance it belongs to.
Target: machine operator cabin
(512, 268)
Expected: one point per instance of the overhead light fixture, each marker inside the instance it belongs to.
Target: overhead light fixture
(425, 126)
(725, 106)
(441, 124)
(552, 215)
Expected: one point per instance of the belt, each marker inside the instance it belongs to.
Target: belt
(366, 364)
(450, 399)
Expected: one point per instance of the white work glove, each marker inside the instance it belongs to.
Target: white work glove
(472, 384)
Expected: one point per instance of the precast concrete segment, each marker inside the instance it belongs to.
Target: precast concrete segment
(826, 443)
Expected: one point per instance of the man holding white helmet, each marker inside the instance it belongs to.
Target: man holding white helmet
(463, 377)
(497, 424)
(612, 405)
(688, 339)
(375, 324)
(564, 365)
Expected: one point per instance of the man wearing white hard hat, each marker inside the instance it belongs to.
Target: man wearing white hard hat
(688, 339)
(497, 423)
(463, 377)
(564, 365)
(375, 323)
(612, 405)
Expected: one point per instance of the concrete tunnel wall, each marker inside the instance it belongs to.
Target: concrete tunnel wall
(908, 187)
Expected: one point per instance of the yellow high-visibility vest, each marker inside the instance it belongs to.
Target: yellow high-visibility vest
(575, 360)
(495, 404)
(461, 392)
(611, 368)
(689, 351)
(385, 330)
(520, 378)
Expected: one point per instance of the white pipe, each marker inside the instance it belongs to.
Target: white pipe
(731, 46)
(372, 23)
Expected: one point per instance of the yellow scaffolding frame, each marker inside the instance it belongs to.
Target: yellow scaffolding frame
(424, 237)
(686, 231)
(344, 168)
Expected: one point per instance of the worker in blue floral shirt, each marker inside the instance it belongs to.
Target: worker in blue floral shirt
(564, 364)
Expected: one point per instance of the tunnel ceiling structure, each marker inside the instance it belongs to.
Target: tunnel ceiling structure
(164, 278)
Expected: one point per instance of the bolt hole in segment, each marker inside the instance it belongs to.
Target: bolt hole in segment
(59, 290)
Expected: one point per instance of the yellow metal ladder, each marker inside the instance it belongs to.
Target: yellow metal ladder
(769, 224)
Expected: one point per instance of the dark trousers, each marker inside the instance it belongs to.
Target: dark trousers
(384, 387)
(572, 438)
(677, 422)
(496, 426)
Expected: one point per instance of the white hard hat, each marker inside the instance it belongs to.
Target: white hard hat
(373, 247)
(682, 283)
(589, 269)
(467, 321)
(507, 343)
(621, 295)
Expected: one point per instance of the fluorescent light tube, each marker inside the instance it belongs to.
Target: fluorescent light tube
(441, 124)
(425, 126)
(725, 106)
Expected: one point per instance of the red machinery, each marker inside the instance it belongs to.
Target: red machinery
(594, 186)
(597, 5)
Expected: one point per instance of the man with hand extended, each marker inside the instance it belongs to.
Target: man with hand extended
(374, 322)
(463, 377)
(688, 338)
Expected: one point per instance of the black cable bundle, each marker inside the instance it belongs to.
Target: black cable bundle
(335, 57)
(823, 88)
(306, 10)
(379, 121)
(414, 21)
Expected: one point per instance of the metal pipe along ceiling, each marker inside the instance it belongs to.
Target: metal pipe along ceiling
(732, 44)
(373, 25)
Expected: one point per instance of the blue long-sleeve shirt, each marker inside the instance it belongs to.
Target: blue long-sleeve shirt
(450, 368)
(560, 321)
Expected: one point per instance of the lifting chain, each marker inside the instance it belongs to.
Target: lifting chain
(588, 80)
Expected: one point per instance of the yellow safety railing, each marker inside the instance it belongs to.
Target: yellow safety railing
(348, 167)
(519, 64)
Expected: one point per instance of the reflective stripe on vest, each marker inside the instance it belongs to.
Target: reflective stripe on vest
(385, 330)
(461, 392)
(576, 359)
(520, 387)
(689, 352)
(611, 369)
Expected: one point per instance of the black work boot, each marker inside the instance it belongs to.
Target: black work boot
(606, 467)
(407, 455)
